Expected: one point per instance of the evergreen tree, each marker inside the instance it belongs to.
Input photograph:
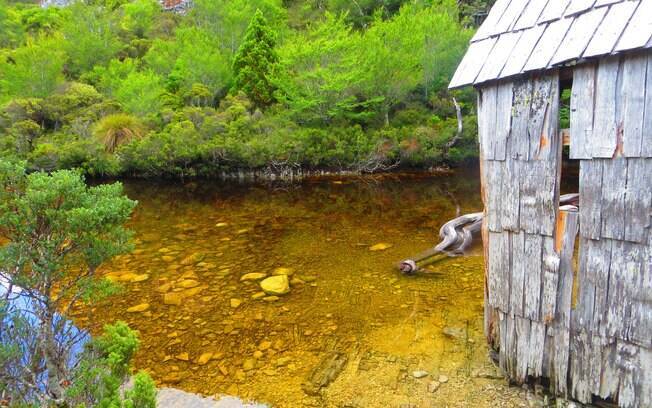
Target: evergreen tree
(256, 61)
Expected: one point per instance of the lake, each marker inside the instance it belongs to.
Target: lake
(352, 331)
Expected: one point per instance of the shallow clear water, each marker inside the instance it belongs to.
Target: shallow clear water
(205, 331)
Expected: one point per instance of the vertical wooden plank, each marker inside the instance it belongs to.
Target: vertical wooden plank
(523, 349)
(509, 347)
(528, 190)
(539, 115)
(495, 180)
(565, 245)
(598, 270)
(519, 265)
(624, 271)
(503, 121)
(499, 265)
(630, 374)
(550, 280)
(580, 357)
(520, 140)
(646, 144)
(610, 379)
(560, 360)
(583, 313)
(638, 199)
(614, 185)
(591, 198)
(510, 199)
(633, 97)
(533, 275)
(537, 342)
(605, 137)
(640, 323)
(487, 120)
(581, 111)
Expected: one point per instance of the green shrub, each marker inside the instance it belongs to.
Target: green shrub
(117, 129)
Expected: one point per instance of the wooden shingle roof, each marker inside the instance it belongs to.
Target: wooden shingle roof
(519, 36)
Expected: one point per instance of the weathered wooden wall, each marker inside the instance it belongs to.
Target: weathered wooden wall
(587, 325)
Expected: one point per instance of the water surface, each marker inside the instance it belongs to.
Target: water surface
(205, 331)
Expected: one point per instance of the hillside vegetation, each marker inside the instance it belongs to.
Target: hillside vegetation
(120, 87)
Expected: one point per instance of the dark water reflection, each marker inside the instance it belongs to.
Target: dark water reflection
(206, 331)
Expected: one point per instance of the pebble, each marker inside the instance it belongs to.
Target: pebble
(138, 308)
(380, 246)
(283, 271)
(443, 379)
(258, 295)
(276, 285)
(172, 299)
(204, 358)
(235, 303)
(433, 386)
(419, 374)
(249, 364)
(264, 345)
(253, 276)
(182, 356)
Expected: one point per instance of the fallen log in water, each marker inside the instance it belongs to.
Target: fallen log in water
(457, 236)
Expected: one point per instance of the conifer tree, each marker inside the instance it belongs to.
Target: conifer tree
(255, 62)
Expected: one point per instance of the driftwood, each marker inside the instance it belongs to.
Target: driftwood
(457, 236)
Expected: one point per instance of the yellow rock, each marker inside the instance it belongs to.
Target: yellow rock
(192, 259)
(172, 299)
(127, 277)
(283, 271)
(167, 258)
(182, 356)
(164, 287)
(188, 283)
(235, 303)
(140, 278)
(164, 250)
(222, 224)
(253, 276)
(138, 308)
(258, 295)
(189, 275)
(380, 247)
(276, 285)
(232, 390)
(204, 358)
(192, 292)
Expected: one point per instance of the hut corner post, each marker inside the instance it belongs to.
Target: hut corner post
(585, 325)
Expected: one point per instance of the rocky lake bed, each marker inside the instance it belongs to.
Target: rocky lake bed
(290, 296)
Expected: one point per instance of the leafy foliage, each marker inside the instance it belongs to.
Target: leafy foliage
(233, 84)
(255, 62)
(56, 232)
(117, 129)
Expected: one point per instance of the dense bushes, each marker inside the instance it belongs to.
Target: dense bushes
(122, 87)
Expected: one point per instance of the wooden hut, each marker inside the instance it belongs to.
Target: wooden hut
(568, 294)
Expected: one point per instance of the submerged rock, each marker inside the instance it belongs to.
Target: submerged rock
(324, 373)
(380, 246)
(253, 276)
(419, 374)
(204, 358)
(283, 271)
(172, 299)
(276, 285)
(188, 284)
(138, 308)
